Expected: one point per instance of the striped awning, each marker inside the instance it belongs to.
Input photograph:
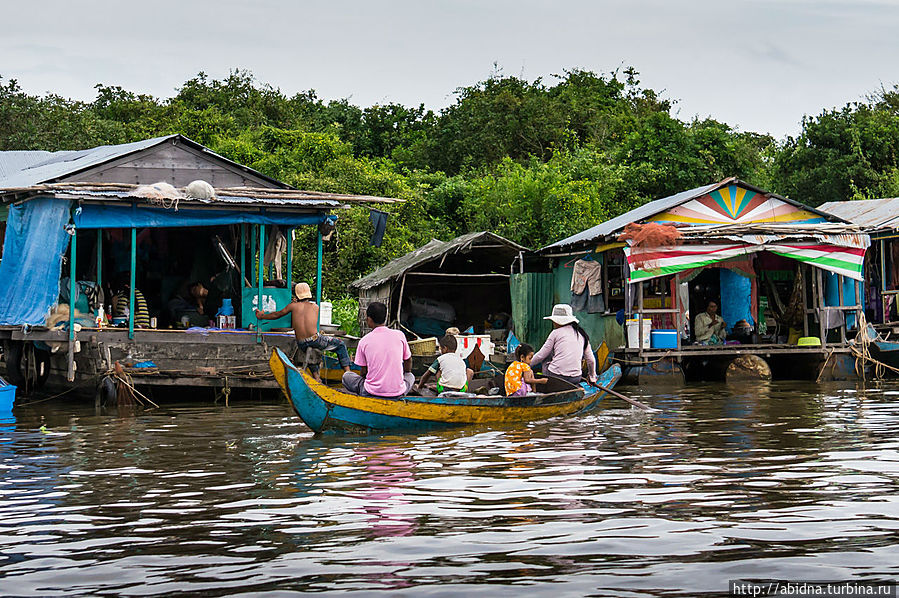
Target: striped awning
(844, 254)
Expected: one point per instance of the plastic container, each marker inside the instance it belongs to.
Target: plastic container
(227, 308)
(633, 338)
(7, 396)
(465, 344)
(663, 339)
(324, 313)
(809, 341)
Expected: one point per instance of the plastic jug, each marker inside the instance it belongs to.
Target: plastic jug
(324, 313)
(227, 309)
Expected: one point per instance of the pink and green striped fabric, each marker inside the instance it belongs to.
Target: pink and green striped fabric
(646, 263)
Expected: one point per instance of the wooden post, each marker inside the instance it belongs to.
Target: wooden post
(805, 302)
(290, 259)
(640, 318)
(885, 312)
(859, 309)
(261, 271)
(318, 276)
(819, 278)
(243, 255)
(252, 251)
(842, 313)
(99, 258)
(73, 259)
(399, 305)
(132, 308)
(675, 301)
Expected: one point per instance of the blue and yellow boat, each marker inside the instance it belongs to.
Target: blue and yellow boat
(325, 408)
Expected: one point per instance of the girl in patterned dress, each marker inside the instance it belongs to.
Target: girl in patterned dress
(519, 377)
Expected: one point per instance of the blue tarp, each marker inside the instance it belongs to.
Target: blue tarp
(832, 294)
(94, 216)
(36, 239)
(736, 298)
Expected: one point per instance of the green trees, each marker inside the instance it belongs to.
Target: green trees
(534, 161)
(847, 153)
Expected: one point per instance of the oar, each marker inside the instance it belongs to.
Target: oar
(633, 402)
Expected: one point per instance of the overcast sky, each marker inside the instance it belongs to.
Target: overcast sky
(757, 65)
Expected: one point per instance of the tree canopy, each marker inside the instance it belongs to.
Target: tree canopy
(534, 161)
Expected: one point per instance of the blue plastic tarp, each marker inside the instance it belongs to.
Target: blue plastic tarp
(36, 240)
(98, 216)
(736, 298)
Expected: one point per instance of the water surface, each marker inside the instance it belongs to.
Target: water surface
(785, 481)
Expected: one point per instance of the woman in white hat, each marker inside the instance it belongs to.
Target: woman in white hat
(565, 348)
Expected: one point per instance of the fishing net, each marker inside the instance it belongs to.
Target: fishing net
(646, 239)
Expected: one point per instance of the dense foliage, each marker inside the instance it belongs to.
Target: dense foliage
(531, 160)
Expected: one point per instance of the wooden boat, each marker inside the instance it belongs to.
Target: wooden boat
(325, 408)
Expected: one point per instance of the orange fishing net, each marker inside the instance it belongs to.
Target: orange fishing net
(651, 234)
(645, 239)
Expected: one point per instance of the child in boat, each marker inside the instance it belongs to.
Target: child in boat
(519, 376)
(454, 376)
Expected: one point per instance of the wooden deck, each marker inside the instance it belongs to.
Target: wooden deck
(202, 358)
(762, 350)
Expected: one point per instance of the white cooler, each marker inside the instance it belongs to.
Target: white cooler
(633, 327)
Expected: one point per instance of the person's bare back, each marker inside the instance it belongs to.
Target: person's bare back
(303, 318)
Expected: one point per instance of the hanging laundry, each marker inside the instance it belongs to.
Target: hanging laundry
(378, 219)
(586, 287)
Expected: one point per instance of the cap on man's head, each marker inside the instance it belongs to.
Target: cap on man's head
(302, 291)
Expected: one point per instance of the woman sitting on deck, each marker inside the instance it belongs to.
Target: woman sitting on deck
(566, 347)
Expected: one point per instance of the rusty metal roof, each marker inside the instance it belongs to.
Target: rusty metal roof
(871, 214)
(432, 251)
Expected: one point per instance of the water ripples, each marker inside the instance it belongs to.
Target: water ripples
(759, 482)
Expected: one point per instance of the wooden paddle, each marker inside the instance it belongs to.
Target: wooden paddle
(633, 402)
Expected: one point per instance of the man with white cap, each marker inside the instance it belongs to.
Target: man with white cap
(304, 321)
(566, 347)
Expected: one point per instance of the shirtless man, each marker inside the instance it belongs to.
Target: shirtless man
(304, 320)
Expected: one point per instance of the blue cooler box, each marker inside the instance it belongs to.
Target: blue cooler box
(663, 339)
(7, 396)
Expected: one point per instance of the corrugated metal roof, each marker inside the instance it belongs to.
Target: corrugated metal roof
(645, 211)
(234, 196)
(871, 214)
(12, 162)
(57, 165)
(666, 203)
(60, 164)
(431, 251)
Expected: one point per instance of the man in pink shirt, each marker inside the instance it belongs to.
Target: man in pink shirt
(385, 359)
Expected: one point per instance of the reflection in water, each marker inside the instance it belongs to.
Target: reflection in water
(774, 480)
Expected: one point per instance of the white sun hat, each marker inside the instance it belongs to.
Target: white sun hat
(561, 315)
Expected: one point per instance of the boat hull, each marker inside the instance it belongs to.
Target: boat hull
(325, 408)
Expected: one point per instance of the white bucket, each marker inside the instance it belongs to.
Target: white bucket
(324, 313)
(633, 338)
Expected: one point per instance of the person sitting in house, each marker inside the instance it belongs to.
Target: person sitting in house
(189, 307)
(121, 302)
(453, 375)
(385, 359)
(709, 328)
(304, 321)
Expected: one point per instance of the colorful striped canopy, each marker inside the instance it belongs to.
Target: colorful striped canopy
(736, 205)
(845, 256)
